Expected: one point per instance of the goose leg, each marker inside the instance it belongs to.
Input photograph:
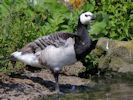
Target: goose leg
(13, 63)
(13, 60)
(56, 76)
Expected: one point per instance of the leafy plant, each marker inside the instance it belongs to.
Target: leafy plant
(119, 18)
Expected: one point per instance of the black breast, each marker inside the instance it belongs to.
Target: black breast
(82, 48)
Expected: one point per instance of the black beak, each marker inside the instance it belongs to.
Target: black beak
(93, 17)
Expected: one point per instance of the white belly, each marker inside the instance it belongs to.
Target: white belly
(58, 57)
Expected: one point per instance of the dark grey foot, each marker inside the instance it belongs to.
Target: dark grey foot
(59, 93)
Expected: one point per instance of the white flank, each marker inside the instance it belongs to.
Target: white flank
(59, 57)
(29, 58)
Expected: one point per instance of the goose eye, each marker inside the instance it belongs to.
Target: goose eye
(86, 15)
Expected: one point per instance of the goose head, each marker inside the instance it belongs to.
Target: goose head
(86, 18)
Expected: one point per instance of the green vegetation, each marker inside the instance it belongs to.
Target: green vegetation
(22, 21)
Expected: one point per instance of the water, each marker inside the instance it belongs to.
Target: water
(104, 89)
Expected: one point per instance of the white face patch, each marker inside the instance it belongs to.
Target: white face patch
(86, 17)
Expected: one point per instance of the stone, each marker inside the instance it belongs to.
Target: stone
(73, 70)
(116, 55)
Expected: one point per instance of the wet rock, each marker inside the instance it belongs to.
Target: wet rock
(116, 55)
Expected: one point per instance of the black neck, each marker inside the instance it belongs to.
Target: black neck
(82, 32)
(82, 41)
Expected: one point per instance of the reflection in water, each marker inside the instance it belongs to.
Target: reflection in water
(107, 89)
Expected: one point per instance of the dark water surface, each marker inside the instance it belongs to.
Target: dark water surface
(104, 89)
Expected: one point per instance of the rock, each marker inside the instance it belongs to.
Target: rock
(33, 85)
(73, 70)
(116, 55)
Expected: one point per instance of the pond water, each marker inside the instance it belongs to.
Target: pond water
(104, 89)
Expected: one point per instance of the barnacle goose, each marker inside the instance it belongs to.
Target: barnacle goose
(57, 50)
